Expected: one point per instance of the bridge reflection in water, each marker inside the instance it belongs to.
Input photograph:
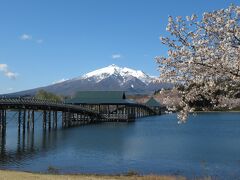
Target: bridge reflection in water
(24, 144)
(18, 147)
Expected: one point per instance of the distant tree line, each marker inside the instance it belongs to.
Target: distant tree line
(44, 95)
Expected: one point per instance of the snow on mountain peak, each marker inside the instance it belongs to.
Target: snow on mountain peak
(115, 70)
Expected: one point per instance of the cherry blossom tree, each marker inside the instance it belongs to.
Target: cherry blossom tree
(203, 56)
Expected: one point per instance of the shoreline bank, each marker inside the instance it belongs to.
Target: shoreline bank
(235, 111)
(21, 175)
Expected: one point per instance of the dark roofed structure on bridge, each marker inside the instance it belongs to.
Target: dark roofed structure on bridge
(112, 105)
(99, 97)
(154, 104)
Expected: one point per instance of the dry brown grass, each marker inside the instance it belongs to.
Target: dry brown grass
(15, 175)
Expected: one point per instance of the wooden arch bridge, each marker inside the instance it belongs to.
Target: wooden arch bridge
(70, 114)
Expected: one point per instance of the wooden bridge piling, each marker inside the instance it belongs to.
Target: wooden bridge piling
(33, 119)
(24, 120)
(3, 121)
(44, 119)
(55, 119)
(19, 119)
(63, 119)
(49, 119)
(68, 119)
(28, 120)
(2, 135)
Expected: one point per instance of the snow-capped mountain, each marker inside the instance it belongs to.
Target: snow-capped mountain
(114, 70)
(108, 78)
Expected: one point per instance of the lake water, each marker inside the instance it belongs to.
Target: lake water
(207, 145)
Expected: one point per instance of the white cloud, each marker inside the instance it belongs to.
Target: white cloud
(3, 67)
(7, 72)
(28, 37)
(116, 56)
(39, 41)
(25, 37)
(59, 81)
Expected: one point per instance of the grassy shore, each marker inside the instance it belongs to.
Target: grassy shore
(15, 175)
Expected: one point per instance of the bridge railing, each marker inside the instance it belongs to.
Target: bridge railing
(34, 101)
(30, 100)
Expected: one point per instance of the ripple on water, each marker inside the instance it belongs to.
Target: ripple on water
(208, 144)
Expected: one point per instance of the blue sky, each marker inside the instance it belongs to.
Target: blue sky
(45, 41)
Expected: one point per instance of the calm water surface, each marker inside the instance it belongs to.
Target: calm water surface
(208, 144)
